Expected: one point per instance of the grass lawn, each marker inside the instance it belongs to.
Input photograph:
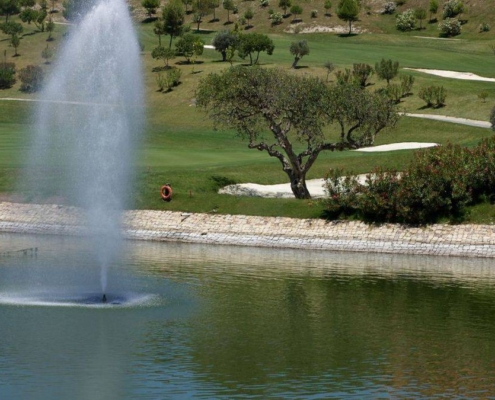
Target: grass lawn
(180, 146)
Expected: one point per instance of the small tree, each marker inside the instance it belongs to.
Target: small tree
(151, 6)
(201, 9)
(433, 8)
(224, 40)
(270, 107)
(47, 54)
(296, 10)
(173, 19)
(452, 8)
(284, 5)
(187, 3)
(329, 67)
(31, 78)
(387, 69)
(420, 15)
(8, 8)
(254, 43)
(188, 45)
(11, 28)
(298, 50)
(40, 20)
(348, 10)
(228, 5)
(163, 53)
(28, 15)
(159, 30)
(15, 43)
(249, 15)
(361, 73)
(7, 74)
(50, 27)
(327, 6)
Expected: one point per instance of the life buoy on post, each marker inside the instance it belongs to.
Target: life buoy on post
(166, 192)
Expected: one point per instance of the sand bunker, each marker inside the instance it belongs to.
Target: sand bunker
(397, 146)
(468, 76)
(315, 186)
(315, 28)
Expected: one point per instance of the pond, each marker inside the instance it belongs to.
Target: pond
(194, 321)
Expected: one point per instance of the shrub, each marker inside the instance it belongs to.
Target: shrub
(31, 78)
(406, 84)
(484, 27)
(405, 21)
(314, 13)
(449, 27)
(483, 96)
(264, 3)
(452, 8)
(361, 73)
(400, 2)
(437, 183)
(389, 8)
(387, 69)
(277, 18)
(394, 92)
(344, 77)
(168, 80)
(433, 96)
(7, 75)
(327, 5)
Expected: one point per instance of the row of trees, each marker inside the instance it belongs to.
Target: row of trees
(347, 10)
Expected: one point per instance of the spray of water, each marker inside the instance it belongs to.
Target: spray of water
(87, 122)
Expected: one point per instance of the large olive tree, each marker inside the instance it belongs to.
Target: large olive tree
(272, 108)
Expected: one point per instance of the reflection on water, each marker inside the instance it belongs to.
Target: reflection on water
(230, 322)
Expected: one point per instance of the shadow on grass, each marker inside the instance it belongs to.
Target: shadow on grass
(346, 35)
(149, 20)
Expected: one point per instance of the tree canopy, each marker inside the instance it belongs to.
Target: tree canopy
(173, 19)
(348, 10)
(254, 43)
(271, 108)
(223, 40)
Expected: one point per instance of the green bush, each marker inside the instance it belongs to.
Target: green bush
(405, 21)
(438, 183)
(484, 27)
(314, 13)
(394, 92)
(389, 8)
(344, 77)
(406, 84)
(452, 8)
(7, 75)
(361, 73)
(31, 78)
(450, 27)
(276, 18)
(433, 96)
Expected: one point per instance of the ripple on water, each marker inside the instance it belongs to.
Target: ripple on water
(82, 300)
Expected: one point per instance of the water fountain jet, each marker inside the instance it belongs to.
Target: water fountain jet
(87, 123)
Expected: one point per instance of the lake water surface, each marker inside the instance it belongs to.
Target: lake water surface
(196, 321)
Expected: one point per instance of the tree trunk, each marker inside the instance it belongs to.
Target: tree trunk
(350, 27)
(298, 185)
(170, 43)
(224, 55)
(294, 64)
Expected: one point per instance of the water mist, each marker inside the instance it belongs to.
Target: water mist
(87, 121)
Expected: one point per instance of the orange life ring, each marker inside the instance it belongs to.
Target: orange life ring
(166, 192)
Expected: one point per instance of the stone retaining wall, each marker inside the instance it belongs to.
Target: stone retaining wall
(447, 240)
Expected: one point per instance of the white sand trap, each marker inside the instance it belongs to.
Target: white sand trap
(208, 46)
(437, 38)
(467, 76)
(455, 120)
(397, 146)
(315, 186)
